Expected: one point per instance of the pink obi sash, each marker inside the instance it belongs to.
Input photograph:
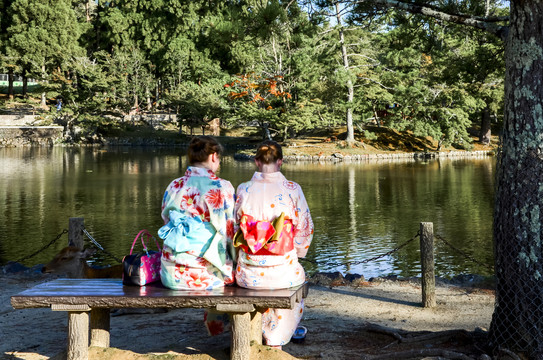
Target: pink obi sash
(265, 238)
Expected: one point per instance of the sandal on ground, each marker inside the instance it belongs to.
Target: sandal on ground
(299, 334)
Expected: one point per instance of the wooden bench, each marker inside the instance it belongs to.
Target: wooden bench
(79, 297)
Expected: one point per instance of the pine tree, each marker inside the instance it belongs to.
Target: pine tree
(42, 36)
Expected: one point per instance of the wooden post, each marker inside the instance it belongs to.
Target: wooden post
(428, 279)
(240, 315)
(78, 335)
(256, 326)
(99, 327)
(241, 330)
(75, 232)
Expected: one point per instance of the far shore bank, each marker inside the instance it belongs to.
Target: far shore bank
(318, 145)
(243, 151)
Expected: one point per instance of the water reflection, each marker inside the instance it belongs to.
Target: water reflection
(360, 210)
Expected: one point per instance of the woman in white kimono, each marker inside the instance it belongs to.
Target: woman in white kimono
(275, 229)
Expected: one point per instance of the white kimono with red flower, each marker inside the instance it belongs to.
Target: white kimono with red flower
(201, 259)
(266, 264)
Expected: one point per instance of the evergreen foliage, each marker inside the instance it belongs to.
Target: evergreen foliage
(107, 59)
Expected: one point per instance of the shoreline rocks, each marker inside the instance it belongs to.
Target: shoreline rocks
(334, 279)
(337, 157)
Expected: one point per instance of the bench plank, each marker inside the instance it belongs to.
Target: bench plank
(110, 293)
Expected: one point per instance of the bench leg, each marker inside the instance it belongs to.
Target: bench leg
(241, 332)
(256, 327)
(99, 327)
(78, 335)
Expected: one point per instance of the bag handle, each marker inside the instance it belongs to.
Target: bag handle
(140, 235)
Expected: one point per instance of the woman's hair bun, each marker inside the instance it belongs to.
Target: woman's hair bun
(269, 152)
(200, 147)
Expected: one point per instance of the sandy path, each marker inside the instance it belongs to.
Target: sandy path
(334, 316)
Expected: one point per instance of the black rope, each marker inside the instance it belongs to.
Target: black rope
(97, 244)
(43, 248)
(491, 268)
(365, 261)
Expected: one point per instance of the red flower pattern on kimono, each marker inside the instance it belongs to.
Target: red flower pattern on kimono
(198, 280)
(215, 198)
(202, 262)
(291, 185)
(197, 211)
(178, 184)
(190, 199)
(179, 271)
(212, 175)
(202, 213)
(166, 255)
(230, 228)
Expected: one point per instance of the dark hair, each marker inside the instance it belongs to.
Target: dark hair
(201, 147)
(269, 152)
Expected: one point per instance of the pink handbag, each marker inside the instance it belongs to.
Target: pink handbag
(144, 267)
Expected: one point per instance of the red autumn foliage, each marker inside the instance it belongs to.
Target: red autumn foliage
(253, 89)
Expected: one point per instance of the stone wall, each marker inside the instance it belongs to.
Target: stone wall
(156, 121)
(30, 135)
(17, 120)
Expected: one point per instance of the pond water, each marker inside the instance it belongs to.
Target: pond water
(360, 210)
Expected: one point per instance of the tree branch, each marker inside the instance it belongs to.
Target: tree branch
(376, 82)
(487, 25)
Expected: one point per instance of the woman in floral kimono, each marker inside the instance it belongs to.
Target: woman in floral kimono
(198, 212)
(275, 229)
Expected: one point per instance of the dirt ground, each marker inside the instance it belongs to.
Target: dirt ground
(332, 141)
(380, 319)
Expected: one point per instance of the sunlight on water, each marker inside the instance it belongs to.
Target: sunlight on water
(360, 210)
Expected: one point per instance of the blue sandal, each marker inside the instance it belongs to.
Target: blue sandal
(299, 334)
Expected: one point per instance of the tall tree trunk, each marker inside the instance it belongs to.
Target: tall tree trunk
(25, 85)
(148, 97)
(350, 87)
(87, 11)
(517, 322)
(10, 84)
(97, 26)
(485, 133)
(43, 95)
(157, 93)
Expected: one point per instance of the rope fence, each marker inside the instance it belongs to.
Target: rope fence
(97, 244)
(65, 231)
(463, 253)
(396, 249)
(77, 242)
(425, 234)
(365, 261)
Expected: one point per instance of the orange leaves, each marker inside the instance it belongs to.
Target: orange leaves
(426, 59)
(273, 87)
(255, 89)
(234, 95)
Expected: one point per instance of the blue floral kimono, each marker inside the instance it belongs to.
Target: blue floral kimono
(199, 225)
